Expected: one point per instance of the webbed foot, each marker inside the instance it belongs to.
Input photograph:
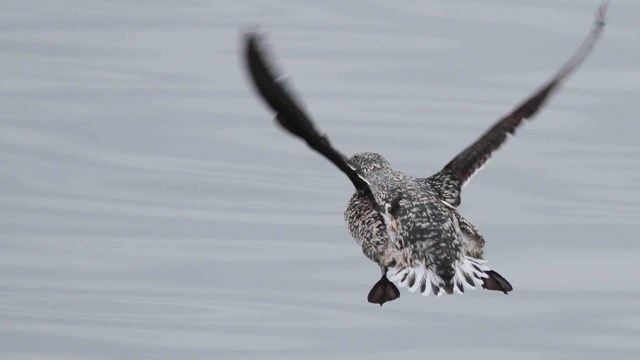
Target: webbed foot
(383, 291)
(495, 281)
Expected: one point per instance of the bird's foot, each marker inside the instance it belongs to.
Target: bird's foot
(495, 281)
(383, 291)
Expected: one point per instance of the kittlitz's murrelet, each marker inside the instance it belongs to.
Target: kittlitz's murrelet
(410, 226)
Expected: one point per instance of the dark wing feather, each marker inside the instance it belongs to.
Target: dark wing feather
(289, 113)
(458, 171)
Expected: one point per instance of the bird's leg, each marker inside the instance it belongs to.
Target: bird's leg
(384, 290)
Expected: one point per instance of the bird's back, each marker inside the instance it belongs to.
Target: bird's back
(424, 228)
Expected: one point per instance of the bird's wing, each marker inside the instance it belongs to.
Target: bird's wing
(289, 113)
(450, 180)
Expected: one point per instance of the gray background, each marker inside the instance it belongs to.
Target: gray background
(151, 209)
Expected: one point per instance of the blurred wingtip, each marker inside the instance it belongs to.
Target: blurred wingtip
(602, 12)
(251, 37)
(601, 16)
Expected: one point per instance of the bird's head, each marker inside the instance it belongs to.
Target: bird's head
(366, 163)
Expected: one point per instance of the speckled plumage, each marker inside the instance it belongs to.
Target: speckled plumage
(405, 224)
(427, 228)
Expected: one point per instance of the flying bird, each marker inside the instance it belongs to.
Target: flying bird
(409, 225)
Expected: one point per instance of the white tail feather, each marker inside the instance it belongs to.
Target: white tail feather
(418, 278)
(468, 275)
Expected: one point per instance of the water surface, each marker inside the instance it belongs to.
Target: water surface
(151, 209)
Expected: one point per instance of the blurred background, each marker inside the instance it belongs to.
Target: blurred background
(150, 208)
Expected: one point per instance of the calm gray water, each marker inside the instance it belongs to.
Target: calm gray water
(151, 209)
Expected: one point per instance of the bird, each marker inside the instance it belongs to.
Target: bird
(410, 226)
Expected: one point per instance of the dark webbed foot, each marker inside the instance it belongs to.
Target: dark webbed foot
(495, 281)
(383, 291)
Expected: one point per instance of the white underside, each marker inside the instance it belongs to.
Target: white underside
(420, 278)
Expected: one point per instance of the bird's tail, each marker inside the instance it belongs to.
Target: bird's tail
(419, 278)
(469, 273)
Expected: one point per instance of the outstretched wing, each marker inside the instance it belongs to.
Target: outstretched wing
(289, 113)
(450, 180)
